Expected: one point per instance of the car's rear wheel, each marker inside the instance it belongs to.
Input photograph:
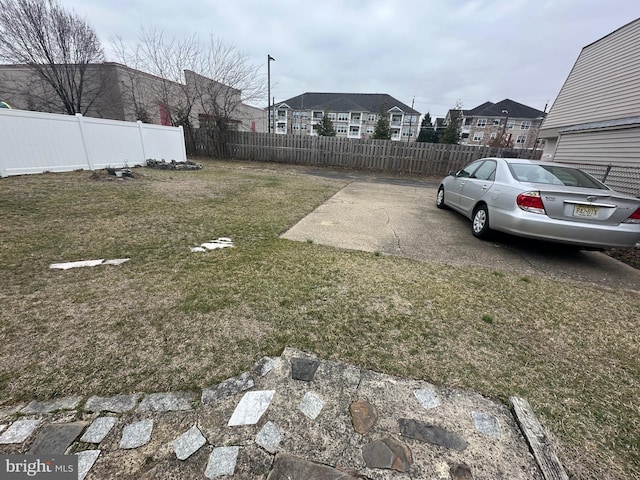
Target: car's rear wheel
(440, 198)
(480, 222)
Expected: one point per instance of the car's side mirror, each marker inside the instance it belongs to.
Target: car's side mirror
(452, 173)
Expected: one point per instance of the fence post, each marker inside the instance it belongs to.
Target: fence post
(80, 119)
(144, 154)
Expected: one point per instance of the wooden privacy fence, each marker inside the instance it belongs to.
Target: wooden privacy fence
(432, 159)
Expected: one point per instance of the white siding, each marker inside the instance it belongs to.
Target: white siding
(609, 147)
(604, 83)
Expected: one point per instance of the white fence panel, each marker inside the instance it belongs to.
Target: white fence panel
(35, 142)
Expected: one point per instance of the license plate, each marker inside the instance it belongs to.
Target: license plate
(585, 211)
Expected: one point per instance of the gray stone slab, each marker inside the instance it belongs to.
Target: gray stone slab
(55, 438)
(431, 434)
(99, 429)
(269, 437)
(136, 434)
(263, 366)
(311, 405)
(487, 424)
(304, 369)
(69, 403)
(229, 387)
(86, 459)
(115, 404)
(19, 431)
(188, 443)
(222, 461)
(427, 398)
(167, 402)
(288, 467)
(251, 407)
(387, 453)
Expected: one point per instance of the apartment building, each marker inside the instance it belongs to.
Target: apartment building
(518, 123)
(354, 115)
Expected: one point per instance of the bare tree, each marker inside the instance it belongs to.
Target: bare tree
(56, 45)
(193, 84)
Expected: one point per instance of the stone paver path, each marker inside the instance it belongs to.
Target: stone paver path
(294, 417)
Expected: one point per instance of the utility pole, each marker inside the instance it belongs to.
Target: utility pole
(410, 120)
(270, 118)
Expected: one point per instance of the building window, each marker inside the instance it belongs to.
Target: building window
(343, 117)
(341, 129)
(511, 124)
(303, 126)
(477, 136)
(525, 125)
(370, 130)
(354, 130)
(493, 136)
(496, 122)
(332, 116)
(373, 117)
(521, 140)
(482, 122)
(317, 115)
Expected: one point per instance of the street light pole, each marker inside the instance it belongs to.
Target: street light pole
(270, 118)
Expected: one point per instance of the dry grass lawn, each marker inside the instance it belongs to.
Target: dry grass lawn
(174, 320)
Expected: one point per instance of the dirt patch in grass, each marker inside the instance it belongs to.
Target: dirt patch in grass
(629, 256)
(170, 319)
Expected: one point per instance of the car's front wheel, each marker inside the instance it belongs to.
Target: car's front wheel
(440, 198)
(480, 222)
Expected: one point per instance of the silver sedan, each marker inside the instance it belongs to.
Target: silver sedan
(541, 200)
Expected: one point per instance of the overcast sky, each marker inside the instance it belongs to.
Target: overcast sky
(434, 51)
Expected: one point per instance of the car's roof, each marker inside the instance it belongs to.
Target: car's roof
(525, 161)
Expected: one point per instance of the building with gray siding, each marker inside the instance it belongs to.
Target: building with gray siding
(596, 117)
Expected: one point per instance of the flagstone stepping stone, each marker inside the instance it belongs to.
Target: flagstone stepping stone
(304, 369)
(69, 403)
(387, 453)
(167, 402)
(19, 431)
(427, 398)
(222, 461)
(99, 429)
(188, 443)
(55, 438)
(431, 434)
(115, 404)
(288, 467)
(269, 437)
(86, 459)
(311, 405)
(363, 416)
(251, 407)
(228, 388)
(487, 424)
(136, 434)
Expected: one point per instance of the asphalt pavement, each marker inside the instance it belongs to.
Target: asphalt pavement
(398, 216)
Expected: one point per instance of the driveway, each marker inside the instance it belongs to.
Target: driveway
(400, 218)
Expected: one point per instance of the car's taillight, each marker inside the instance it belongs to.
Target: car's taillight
(530, 202)
(634, 217)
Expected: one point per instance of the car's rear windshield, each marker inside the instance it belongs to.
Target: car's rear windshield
(554, 175)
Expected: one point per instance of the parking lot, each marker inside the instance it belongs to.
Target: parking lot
(400, 218)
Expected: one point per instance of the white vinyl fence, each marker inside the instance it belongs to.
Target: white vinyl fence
(36, 142)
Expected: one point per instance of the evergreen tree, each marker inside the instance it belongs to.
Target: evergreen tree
(325, 127)
(383, 129)
(451, 133)
(427, 133)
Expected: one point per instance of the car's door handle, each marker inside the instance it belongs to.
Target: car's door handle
(484, 187)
